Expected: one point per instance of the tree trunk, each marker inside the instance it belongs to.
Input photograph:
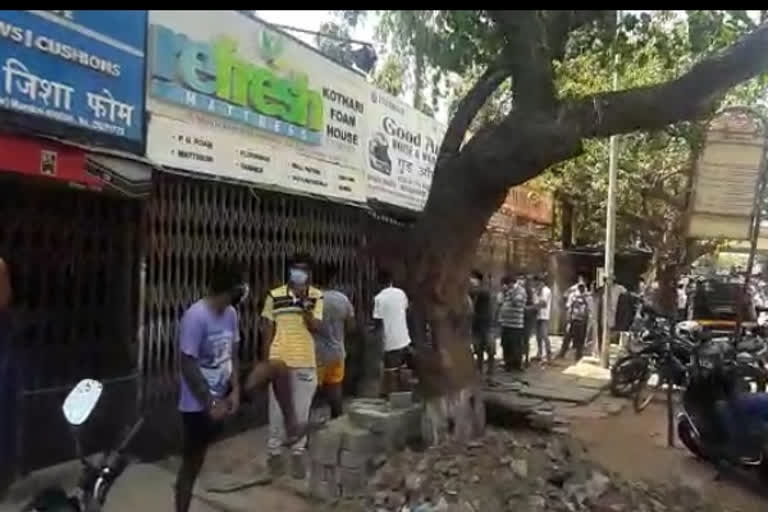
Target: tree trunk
(566, 209)
(441, 251)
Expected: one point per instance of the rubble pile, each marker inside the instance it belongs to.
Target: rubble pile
(511, 471)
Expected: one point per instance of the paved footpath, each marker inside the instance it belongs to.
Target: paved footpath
(548, 394)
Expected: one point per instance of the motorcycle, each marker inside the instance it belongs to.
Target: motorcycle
(713, 376)
(97, 479)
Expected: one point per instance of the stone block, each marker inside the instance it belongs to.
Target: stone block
(324, 482)
(324, 446)
(401, 400)
(352, 482)
(359, 440)
(354, 460)
(544, 420)
(370, 416)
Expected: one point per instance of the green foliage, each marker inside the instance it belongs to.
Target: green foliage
(390, 76)
(652, 47)
(338, 50)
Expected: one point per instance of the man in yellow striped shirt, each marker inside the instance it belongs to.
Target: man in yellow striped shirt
(292, 312)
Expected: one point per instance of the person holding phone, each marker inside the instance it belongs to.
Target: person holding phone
(292, 313)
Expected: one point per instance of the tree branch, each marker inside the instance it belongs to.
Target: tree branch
(530, 59)
(470, 105)
(691, 96)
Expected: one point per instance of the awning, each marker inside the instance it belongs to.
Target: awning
(127, 177)
(48, 159)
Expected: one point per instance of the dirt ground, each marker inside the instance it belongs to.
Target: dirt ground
(635, 446)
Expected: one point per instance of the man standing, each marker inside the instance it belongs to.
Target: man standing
(481, 322)
(208, 339)
(531, 312)
(389, 315)
(292, 313)
(566, 296)
(577, 310)
(511, 319)
(544, 305)
(338, 317)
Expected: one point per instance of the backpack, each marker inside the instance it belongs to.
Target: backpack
(579, 307)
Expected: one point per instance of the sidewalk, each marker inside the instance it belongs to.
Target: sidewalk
(149, 486)
(143, 487)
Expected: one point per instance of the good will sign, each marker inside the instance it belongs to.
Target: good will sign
(401, 152)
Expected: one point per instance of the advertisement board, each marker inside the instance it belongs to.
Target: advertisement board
(725, 178)
(401, 151)
(76, 72)
(232, 98)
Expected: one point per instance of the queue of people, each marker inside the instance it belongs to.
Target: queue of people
(522, 311)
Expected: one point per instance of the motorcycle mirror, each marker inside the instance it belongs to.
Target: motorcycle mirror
(81, 401)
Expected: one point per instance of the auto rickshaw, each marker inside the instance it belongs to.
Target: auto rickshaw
(713, 303)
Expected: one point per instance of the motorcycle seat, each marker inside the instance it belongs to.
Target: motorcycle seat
(750, 345)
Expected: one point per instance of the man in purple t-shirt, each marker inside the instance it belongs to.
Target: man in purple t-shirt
(210, 390)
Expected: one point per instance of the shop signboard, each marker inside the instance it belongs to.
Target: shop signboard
(402, 147)
(75, 74)
(726, 177)
(232, 98)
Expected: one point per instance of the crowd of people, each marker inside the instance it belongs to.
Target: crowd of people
(521, 310)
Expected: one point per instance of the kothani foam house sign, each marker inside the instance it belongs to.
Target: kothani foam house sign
(82, 69)
(230, 97)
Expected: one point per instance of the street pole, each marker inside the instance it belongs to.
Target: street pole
(610, 223)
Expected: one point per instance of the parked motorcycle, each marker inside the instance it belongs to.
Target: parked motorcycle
(713, 375)
(96, 480)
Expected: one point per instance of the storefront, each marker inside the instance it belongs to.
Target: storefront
(72, 186)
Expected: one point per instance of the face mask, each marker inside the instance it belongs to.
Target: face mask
(298, 277)
(474, 281)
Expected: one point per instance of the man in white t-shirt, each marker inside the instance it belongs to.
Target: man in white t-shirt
(543, 302)
(389, 314)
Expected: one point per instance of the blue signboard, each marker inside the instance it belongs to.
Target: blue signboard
(80, 68)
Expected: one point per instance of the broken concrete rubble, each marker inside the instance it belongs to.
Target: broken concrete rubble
(523, 470)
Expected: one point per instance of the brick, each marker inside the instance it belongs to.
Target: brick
(352, 482)
(354, 460)
(370, 419)
(324, 446)
(360, 440)
(401, 400)
(324, 482)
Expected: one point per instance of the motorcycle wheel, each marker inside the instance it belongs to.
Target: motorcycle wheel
(749, 376)
(685, 434)
(646, 391)
(625, 376)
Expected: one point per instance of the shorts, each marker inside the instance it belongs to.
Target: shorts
(394, 359)
(199, 432)
(330, 374)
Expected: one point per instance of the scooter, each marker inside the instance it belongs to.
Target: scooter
(712, 377)
(96, 479)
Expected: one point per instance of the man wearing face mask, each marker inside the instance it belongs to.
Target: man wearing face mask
(292, 313)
